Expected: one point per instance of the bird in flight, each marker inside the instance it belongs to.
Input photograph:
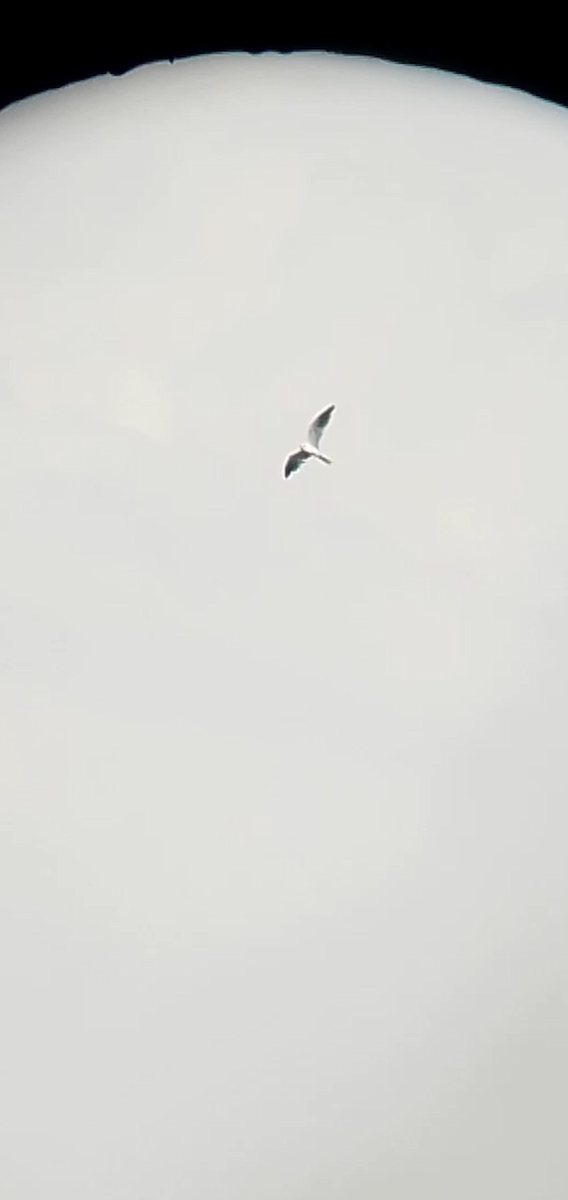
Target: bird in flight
(310, 449)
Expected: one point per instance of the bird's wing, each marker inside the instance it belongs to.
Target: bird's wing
(294, 461)
(318, 425)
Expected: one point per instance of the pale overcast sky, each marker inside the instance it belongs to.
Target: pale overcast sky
(283, 864)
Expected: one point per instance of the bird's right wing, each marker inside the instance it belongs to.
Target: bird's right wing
(294, 461)
(318, 425)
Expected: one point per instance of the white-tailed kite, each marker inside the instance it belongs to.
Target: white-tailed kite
(310, 449)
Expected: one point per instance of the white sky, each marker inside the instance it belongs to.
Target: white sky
(283, 876)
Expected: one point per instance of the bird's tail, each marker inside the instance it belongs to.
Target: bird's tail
(322, 458)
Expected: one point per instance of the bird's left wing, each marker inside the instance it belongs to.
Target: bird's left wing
(319, 424)
(294, 461)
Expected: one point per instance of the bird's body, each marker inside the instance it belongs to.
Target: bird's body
(310, 448)
(311, 452)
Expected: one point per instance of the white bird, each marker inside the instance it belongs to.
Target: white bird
(310, 449)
